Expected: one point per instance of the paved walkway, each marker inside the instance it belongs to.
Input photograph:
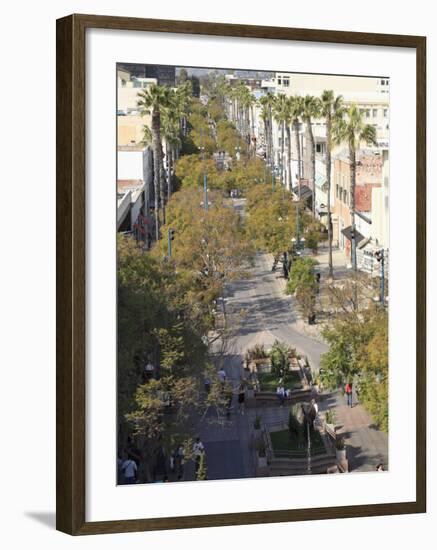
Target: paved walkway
(367, 446)
(258, 311)
(227, 440)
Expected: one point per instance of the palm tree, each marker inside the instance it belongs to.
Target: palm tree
(181, 102)
(353, 130)
(251, 101)
(296, 107)
(311, 108)
(170, 132)
(332, 110)
(151, 101)
(266, 103)
(281, 113)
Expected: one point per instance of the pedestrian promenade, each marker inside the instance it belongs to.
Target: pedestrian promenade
(367, 446)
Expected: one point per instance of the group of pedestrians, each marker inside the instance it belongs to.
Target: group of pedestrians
(228, 391)
(282, 393)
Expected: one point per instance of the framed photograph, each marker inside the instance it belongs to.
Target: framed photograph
(241, 274)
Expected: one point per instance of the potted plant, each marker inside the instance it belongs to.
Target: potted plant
(340, 449)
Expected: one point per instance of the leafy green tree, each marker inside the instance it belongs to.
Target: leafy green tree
(163, 316)
(280, 355)
(271, 218)
(210, 246)
(303, 284)
(314, 235)
(183, 76)
(190, 170)
(358, 353)
(202, 471)
(228, 138)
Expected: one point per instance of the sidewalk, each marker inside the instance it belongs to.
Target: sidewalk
(366, 445)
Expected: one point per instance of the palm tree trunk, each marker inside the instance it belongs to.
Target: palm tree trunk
(298, 151)
(289, 183)
(252, 115)
(162, 183)
(312, 162)
(282, 151)
(353, 172)
(168, 162)
(156, 146)
(328, 179)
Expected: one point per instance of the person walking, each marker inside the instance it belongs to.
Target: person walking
(198, 449)
(222, 376)
(129, 469)
(348, 391)
(241, 395)
(280, 392)
(179, 461)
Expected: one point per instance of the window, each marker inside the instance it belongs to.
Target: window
(374, 113)
(336, 190)
(279, 80)
(367, 113)
(385, 112)
(345, 196)
(318, 147)
(286, 82)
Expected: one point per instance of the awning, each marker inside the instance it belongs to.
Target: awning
(347, 232)
(305, 192)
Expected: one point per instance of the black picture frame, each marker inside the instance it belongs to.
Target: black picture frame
(71, 248)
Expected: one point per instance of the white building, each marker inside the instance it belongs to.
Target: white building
(134, 186)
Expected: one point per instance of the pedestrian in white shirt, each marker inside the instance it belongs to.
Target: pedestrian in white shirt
(129, 469)
(280, 392)
(222, 376)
